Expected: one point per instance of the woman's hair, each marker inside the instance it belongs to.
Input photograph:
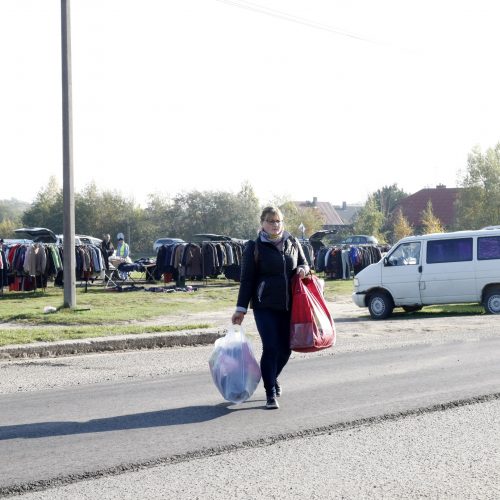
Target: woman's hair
(270, 211)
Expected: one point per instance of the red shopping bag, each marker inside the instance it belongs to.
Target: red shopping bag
(311, 325)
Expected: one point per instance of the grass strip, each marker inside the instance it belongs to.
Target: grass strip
(43, 334)
(99, 306)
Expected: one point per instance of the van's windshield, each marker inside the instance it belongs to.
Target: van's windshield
(406, 254)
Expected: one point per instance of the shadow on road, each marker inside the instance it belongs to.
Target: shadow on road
(176, 416)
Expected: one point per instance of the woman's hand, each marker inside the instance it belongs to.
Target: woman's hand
(238, 318)
(301, 272)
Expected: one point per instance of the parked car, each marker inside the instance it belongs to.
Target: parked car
(17, 241)
(60, 239)
(210, 237)
(89, 240)
(44, 235)
(440, 268)
(360, 239)
(38, 234)
(199, 238)
(317, 239)
(165, 241)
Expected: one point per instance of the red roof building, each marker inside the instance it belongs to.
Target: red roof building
(443, 205)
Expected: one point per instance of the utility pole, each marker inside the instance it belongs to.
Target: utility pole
(69, 259)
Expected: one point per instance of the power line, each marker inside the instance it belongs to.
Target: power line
(299, 20)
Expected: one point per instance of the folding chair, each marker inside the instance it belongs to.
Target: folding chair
(123, 272)
(120, 275)
(111, 276)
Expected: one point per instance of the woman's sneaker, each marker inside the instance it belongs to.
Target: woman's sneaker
(272, 403)
(278, 389)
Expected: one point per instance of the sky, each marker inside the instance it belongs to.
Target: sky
(319, 98)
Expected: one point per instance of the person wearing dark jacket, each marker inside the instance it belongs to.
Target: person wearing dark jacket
(268, 264)
(107, 249)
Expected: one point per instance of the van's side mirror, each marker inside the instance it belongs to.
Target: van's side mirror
(386, 262)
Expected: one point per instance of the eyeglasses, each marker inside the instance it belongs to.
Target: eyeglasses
(274, 221)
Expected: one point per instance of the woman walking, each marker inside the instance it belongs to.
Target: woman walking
(268, 264)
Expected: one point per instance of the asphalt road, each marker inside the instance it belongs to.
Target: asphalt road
(171, 436)
(445, 454)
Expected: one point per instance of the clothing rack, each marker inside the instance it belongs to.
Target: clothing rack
(237, 254)
(89, 271)
(203, 275)
(3, 263)
(348, 264)
(197, 256)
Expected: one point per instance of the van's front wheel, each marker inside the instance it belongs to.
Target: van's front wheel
(491, 302)
(380, 305)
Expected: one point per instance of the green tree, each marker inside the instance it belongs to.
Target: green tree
(87, 211)
(294, 216)
(384, 200)
(116, 215)
(99, 212)
(430, 223)
(47, 209)
(370, 220)
(387, 197)
(156, 222)
(7, 228)
(157, 209)
(401, 226)
(12, 210)
(478, 204)
(216, 212)
(137, 232)
(96, 213)
(248, 208)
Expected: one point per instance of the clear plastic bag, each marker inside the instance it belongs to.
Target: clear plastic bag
(234, 369)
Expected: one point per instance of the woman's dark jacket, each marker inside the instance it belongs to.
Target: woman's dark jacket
(266, 274)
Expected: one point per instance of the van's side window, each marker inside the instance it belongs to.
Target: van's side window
(449, 250)
(406, 254)
(488, 248)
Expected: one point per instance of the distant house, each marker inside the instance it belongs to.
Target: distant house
(332, 219)
(347, 212)
(443, 205)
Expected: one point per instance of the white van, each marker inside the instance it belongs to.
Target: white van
(440, 268)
